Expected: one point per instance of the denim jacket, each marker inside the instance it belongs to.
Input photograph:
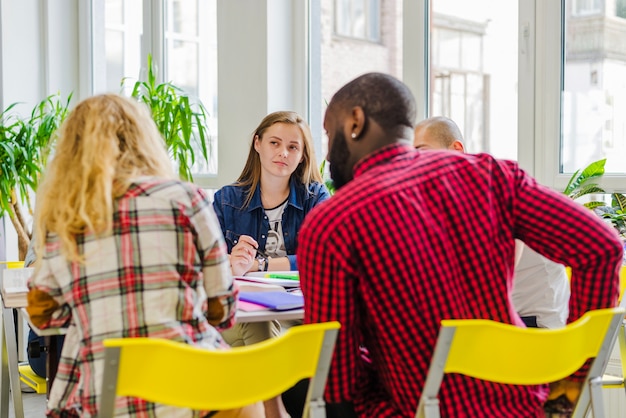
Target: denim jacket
(252, 220)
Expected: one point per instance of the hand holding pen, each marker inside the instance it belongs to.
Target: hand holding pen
(243, 254)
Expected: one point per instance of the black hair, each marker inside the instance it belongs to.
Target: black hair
(382, 97)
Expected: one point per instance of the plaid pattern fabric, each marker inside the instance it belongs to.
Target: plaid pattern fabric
(150, 278)
(420, 237)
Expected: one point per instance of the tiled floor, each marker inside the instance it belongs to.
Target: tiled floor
(34, 405)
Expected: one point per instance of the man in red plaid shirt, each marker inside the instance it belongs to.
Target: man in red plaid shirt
(411, 238)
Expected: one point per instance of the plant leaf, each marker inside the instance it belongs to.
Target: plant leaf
(579, 178)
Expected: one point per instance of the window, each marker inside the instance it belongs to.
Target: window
(181, 36)
(473, 72)
(358, 19)
(344, 58)
(123, 23)
(587, 7)
(191, 60)
(620, 8)
(594, 92)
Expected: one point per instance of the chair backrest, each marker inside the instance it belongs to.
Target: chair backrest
(182, 375)
(504, 353)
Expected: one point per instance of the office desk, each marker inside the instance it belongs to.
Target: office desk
(9, 368)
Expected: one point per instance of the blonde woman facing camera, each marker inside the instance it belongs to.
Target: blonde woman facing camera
(125, 250)
(277, 188)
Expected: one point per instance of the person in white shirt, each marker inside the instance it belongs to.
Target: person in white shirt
(541, 288)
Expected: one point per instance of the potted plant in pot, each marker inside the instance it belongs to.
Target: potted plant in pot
(25, 144)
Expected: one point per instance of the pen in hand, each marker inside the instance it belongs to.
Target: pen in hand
(262, 254)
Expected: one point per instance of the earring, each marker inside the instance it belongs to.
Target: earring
(353, 135)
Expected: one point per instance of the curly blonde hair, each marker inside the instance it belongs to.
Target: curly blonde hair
(105, 143)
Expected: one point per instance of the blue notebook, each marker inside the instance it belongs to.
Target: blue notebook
(278, 301)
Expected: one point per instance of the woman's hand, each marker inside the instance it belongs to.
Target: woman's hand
(243, 255)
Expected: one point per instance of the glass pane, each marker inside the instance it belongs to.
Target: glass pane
(357, 18)
(182, 16)
(343, 59)
(114, 10)
(474, 71)
(123, 22)
(114, 59)
(342, 17)
(191, 62)
(182, 65)
(594, 96)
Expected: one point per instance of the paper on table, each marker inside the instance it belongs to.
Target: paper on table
(260, 278)
(248, 286)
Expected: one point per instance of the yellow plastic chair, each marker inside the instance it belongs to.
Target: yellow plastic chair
(504, 353)
(610, 381)
(619, 382)
(175, 374)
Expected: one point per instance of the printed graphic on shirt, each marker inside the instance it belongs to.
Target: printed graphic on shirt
(275, 243)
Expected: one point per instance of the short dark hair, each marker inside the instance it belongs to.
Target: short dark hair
(382, 97)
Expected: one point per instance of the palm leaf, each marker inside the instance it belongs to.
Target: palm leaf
(586, 189)
(618, 201)
(594, 204)
(181, 120)
(579, 178)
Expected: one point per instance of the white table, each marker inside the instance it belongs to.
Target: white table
(261, 316)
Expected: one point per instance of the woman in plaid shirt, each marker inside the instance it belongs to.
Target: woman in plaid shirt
(126, 250)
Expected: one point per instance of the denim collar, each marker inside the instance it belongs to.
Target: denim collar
(295, 199)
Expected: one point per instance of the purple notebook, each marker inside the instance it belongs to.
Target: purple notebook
(278, 301)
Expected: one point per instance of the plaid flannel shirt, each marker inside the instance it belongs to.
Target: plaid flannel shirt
(151, 277)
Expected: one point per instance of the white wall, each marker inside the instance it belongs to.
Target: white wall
(38, 57)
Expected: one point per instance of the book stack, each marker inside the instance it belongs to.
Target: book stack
(14, 288)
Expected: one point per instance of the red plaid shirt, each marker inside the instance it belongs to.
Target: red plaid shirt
(420, 237)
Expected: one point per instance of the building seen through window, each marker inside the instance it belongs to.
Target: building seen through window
(594, 94)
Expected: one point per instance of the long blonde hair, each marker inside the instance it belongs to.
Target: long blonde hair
(307, 171)
(106, 142)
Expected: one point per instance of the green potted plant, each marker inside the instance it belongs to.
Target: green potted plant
(25, 144)
(181, 120)
(583, 182)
